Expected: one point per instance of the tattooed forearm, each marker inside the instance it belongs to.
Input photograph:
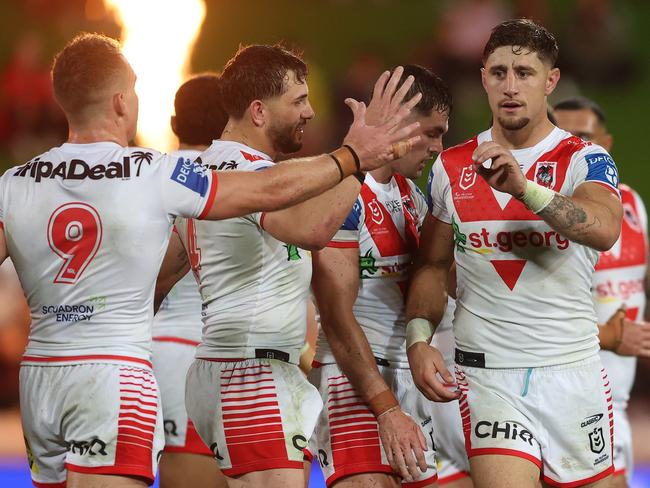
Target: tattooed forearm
(570, 219)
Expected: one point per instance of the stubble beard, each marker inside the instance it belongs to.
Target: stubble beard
(513, 124)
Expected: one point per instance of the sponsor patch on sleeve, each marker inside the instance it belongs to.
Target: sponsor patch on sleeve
(352, 220)
(601, 168)
(191, 175)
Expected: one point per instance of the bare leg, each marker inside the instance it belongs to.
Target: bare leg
(496, 471)
(187, 470)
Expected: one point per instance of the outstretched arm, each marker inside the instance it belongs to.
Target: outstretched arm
(336, 285)
(294, 181)
(427, 300)
(591, 216)
(320, 217)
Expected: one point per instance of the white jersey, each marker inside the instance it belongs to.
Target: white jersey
(524, 290)
(384, 225)
(179, 315)
(254, 287)
(87, 226)
(619, 280)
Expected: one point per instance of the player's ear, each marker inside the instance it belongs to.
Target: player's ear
(257, 110)
(551, 81)
(119, 104)
(172, 123)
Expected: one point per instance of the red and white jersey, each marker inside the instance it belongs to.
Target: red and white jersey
(179, 315)
(254, 287)
(87, 226)
(384, 225)
(524, 290)
(619, 280)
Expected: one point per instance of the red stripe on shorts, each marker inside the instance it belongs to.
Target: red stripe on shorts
(136, 425)
(253, 429)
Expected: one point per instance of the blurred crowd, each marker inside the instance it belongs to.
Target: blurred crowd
(595, 51)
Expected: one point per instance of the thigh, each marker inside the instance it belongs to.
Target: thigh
(186, 470)
(171, 362)
(495, 414)
(420, 409)
(574, 409)
(44, 443)
(492, 471)
(270, 478)
(451, 457)
(261, 417)
(346, 441)
(107, 417)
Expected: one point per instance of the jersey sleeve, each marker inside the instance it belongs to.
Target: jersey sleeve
(188, 189)
(593, 164)
(348, 235)
(437, 186)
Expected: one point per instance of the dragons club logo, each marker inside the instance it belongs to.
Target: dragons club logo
(545, 173)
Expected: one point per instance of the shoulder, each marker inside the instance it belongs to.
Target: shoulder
(460, 154)
(228, 155)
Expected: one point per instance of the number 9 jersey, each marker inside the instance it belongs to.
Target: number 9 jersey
(87, 226)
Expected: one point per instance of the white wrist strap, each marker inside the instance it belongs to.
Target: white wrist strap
(418, 330)
(537, 197)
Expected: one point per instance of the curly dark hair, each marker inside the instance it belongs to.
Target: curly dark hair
(523, 35)
(258, 72)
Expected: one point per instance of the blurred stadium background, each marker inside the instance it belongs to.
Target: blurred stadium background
(604, 54)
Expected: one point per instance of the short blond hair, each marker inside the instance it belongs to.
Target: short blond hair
(85, 69)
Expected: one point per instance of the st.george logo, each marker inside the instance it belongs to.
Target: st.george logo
(467, 178)
(545, 173)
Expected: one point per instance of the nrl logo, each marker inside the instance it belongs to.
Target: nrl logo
(597, 440)
(545, 173)
(375, 212)
(467, 178)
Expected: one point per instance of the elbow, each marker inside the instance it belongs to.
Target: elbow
(606, 241)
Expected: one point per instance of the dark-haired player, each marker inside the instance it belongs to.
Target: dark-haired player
(245, 392)
(86, 225)
(374, 417)
(523, 208)
(186, 460)
(618, 285)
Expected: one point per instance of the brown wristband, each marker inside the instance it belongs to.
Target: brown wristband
(382, 402)
(611, 334)
(347, 161)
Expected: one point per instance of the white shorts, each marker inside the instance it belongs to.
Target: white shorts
(623, 456)
(254, 414)
(94, 418)
(171, 360)
(558, 417)
(347, 440)
(451, 457)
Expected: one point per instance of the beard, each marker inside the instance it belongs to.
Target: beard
(285, 137)
(513, 124)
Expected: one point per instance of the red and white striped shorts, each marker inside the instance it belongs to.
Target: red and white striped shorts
(95, 418)
(347, 440)
(254, 414)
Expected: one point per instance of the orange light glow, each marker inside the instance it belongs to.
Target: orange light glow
(157, 39)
